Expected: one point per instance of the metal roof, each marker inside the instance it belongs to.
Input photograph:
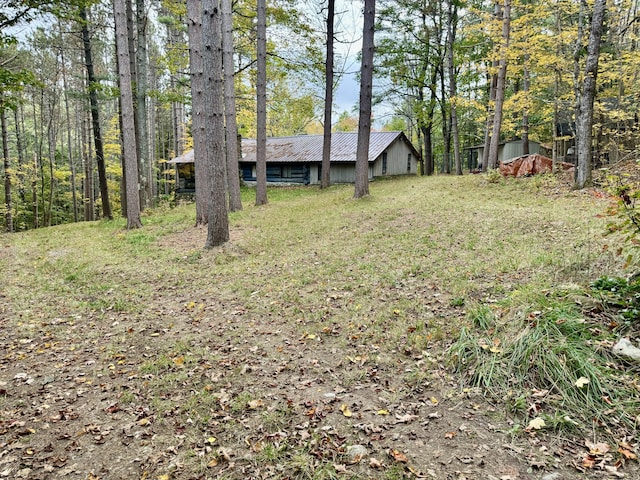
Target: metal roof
(308, 148)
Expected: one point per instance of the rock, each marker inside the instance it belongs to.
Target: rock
(356, 452)
(625, 348)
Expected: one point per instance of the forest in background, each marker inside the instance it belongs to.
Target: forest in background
(438, 68)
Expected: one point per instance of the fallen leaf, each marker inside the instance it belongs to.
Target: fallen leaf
(383, 412)
(540, 393)
(398, 456)
(434, 401)
(588, 461)
(450, 435)
(581, 382)
(628, 454)
(255, 404)
(614, 471)
(597, 448)
(345, 410)
(536, 424)
(406, 418)
(212, 463)
(340, 468)
(374, 463)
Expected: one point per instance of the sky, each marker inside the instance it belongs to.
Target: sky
(348, 27)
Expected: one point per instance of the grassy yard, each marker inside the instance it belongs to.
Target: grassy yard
(441, 328)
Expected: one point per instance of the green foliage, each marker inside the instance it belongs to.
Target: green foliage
(622, 295)
(625, 212)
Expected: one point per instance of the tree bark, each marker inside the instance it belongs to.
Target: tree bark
(95, 116)
(525, 112)
(142, 68)
(8, 214)
(366, 88)
(88, 171)
(584, 120)
(325, 181)
(72, 165)
(203, 186)
(500, 87)
(130, 172)
(218, 226)
(452, 22)
(19, 125)
(231, 125)
(261, 105)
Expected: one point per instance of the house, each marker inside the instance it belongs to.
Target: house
(506, 150)
(298, 159)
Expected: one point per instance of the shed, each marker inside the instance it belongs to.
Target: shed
(298, 159)
(506, 150)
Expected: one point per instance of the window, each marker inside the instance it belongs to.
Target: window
(384, 163)
(409, 163)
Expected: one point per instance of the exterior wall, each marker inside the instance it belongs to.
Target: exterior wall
(397, 161)
(506, 151)
(343, 173)
(514, 149)
(278, 173)
(340, 173)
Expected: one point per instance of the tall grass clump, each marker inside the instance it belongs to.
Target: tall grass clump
(550, 361)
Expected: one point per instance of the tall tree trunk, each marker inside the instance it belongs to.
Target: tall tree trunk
(584, 120)
(72, 165)
(95, 116)
(261, 105)
(203, 185)
(128, 117)
(8, 214)
(500, 87)
(142, 68)
(446, 125)
(218, 226)
(525, 112)
(19, 125)
(231, 125)
(452, 23)
(325, 181)
(88, 171)
(37, 127)
(493, 82)
(366, 88)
